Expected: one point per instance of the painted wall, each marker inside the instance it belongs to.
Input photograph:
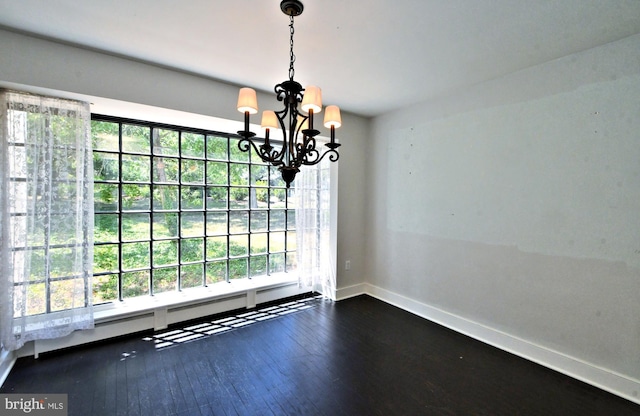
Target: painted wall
(515, 205)
(40, 64)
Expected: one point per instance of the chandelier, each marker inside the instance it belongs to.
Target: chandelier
(298, 145)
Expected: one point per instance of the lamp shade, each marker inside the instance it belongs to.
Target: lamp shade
(332, 117)
(312, 99)
(247, 101)
(269, 120)
(304, 123)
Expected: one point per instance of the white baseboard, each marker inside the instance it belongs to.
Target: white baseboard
(604, 379)
(351, 291)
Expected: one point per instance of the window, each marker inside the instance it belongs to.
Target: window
(179, 208)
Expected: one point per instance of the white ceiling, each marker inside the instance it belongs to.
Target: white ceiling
(369, 56)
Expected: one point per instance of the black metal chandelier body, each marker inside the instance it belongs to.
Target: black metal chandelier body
(298, 146)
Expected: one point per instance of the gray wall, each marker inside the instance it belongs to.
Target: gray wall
(40, 64)
(515, 206)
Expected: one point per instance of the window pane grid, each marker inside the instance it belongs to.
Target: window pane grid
(178, 208)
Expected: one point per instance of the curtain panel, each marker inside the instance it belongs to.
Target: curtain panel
(315, 255)
(46, 218)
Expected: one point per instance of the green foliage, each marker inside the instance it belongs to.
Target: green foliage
(258, 265)
(135, 284)
(191, 249)
(192, 276)
(216, 272)
(135, 197)
(105, 258)
(136, 139)
(238, 268)
(192, 145)
(165, 252)
(165, 280)
(135, 255)
(105, 288)
(105, 228)
(152, 176)
(165, 142)
(105, 135)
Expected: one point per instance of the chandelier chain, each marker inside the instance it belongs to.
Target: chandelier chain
(292, 57)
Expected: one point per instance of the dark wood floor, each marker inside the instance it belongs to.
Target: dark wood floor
(356, 357)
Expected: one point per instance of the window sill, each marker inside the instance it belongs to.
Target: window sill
(141, 305)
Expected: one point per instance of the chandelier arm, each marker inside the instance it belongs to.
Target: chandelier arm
(281, 93)
(332, 154)
(307, 150)
(273, 157)
(303, 118)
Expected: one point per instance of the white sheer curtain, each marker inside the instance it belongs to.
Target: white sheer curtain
(46, 218)
(315, 254)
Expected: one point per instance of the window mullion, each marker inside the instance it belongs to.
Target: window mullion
(228, 268)
(248, 231)
(119, 213)
(268, 221)
(179, 216)
(151, 216)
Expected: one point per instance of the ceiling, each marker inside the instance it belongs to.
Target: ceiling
(369, 57)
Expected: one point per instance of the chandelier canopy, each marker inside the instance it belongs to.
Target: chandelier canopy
(298, 145)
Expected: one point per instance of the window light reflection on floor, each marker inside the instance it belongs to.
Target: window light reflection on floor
(203, 330)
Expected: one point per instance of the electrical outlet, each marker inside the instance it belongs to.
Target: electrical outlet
(347, 265)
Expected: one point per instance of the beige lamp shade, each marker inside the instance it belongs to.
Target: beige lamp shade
(312, 99)
(332, 117)
(269, 120)
(247, 101)
(304, 123)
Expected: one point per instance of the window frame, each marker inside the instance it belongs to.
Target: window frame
(274, 185)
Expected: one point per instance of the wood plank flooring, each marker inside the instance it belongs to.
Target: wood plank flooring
(355, 357)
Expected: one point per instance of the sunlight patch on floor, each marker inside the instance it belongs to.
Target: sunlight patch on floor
(173, 337)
